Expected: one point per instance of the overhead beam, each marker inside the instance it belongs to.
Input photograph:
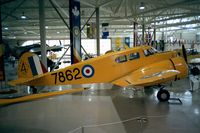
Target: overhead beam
(193, 10)
(10, 15)
(178, 24)
(178, 4)
(54, 6)
(105, 3)
(106, 10)
(118, 7)
(13, 10)
(97, 3)
(87, 3)
(176, 17)
(87, 21)
(6, 1)
(126, 5)
(60, 8)
(183, 28)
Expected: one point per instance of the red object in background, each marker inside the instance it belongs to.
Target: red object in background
(2, 72)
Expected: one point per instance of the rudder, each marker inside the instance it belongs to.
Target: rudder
(29, 66)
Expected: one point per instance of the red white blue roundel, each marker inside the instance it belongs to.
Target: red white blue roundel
(87, 71)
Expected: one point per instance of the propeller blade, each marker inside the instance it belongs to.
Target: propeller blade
(184, 53)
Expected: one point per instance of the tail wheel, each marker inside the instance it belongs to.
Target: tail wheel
(163, 95)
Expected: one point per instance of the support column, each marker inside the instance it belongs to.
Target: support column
(135, 34)
(2, 72)
(162, 42)
(181, 36)
(42, 32)
(97, 31)
(154, 37)
(162, 37)
(143, 32)
(75, 35)
(149, 36)
(154, 33)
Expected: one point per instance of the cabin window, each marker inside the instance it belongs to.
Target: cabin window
(133, 56)
(148, 52)
(154, 50)
(121, 59)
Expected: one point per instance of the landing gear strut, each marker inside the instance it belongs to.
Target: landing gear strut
(163, 95)
(34, 90)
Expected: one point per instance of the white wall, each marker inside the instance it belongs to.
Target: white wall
(189, 38)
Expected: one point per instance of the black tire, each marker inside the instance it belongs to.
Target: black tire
(195, 71)
(163, 95)
(34, 90)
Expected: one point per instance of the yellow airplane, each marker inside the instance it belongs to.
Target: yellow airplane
(138, 66)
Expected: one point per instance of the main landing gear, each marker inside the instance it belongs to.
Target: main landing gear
(34, 90)
(163, 95)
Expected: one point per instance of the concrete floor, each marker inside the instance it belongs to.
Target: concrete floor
(106, 109)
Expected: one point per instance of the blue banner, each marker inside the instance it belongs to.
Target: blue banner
(105, 32)
(75, 33)
(127, 41)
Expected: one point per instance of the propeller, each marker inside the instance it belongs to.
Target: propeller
(184, 53)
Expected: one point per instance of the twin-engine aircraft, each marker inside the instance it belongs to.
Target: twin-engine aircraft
(138, 66)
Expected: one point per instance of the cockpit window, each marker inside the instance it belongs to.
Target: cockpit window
(121, 59)
(133, 56)
(149, 51)
(154, 50)
(146, 52)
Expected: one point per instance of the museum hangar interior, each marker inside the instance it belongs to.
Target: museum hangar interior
(103, 66)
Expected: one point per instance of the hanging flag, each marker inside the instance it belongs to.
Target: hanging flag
(75, 31)
(91, 30)
(105, 32)
(127, 41)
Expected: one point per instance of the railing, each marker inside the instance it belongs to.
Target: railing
(141, 120)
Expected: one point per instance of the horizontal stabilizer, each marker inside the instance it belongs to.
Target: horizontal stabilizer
(24, 81)
(18, 81)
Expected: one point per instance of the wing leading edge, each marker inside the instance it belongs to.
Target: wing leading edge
(146, 77)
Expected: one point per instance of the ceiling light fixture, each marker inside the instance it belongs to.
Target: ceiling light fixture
(23, 16)
(142, 7)
(6, 28)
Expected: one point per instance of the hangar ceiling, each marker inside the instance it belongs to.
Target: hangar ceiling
(164, 15)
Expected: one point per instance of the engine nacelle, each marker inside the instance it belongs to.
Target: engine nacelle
(180, 65)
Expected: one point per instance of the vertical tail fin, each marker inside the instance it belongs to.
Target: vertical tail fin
(30, 66)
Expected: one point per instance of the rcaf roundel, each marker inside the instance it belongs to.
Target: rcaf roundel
(87, 71)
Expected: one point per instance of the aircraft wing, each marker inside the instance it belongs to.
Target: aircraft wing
(146, 77)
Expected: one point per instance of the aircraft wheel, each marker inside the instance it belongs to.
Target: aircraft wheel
(195, 71)
(34, 90)
(163, 95)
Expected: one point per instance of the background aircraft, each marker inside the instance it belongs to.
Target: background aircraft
(35, 48)
(138, 66)
(17, 51)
